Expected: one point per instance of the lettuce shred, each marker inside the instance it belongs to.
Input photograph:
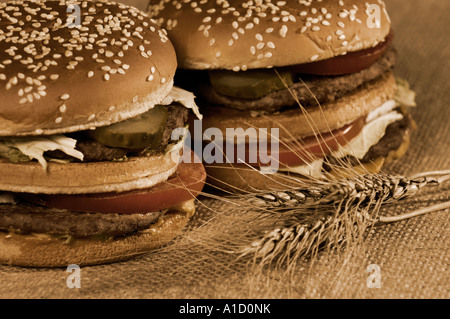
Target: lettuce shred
(19, 149)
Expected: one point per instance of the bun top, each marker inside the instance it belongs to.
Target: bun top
(240, 35)
(69, 66)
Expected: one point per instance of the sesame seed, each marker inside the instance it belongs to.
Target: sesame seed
(283, 31)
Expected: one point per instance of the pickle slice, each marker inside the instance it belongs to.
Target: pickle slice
(143, 131)
(250, 84)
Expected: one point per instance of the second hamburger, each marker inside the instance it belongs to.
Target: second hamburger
(319, 71)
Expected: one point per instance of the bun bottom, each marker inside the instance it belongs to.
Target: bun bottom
(47, 251)
(242, 179)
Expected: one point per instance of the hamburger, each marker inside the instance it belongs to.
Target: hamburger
(89, 171)
(321, 72)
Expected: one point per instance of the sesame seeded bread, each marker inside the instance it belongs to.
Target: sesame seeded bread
(240, 35)
(55, 78)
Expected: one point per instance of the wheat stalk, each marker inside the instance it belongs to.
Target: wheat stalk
(326, 214)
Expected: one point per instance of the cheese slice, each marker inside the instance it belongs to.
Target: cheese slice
(7, 198)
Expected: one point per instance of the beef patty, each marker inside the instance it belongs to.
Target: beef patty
(94, 151)
(30, 218)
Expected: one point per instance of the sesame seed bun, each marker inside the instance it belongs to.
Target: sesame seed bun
(240, 35)
(37, 250)
(58, 79)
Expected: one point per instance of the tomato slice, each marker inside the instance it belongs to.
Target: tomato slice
(311, 148)
(297, 152)
(185, 185)
(352, 62)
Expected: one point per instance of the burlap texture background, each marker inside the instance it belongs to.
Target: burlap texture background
(413, 255)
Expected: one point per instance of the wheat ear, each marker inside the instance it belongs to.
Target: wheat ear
(328, 214)
(370, 187)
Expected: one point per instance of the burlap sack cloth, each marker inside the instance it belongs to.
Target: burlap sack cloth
(412, 255)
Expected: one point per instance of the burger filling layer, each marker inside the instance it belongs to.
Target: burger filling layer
(44, 222)
(379, 137)
(272, 90)
(109, 144)
(147, 134)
